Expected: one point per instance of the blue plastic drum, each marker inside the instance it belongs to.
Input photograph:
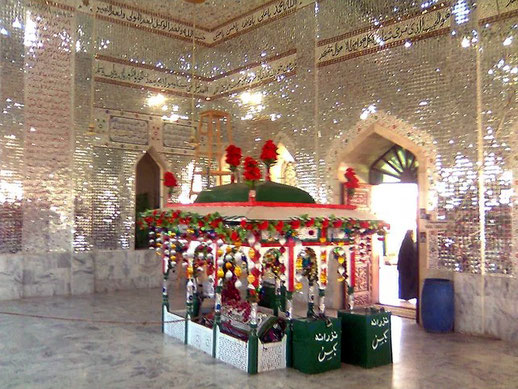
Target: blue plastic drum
(437, 305)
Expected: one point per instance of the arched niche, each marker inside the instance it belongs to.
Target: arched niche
(149, 191)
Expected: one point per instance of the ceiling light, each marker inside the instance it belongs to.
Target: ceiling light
(155, 100)
(251, 98)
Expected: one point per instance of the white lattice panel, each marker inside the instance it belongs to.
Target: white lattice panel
(232, 351)
(177, 329)
(271, 356)
(200, 337)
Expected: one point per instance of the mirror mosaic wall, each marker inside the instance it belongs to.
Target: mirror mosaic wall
(79, 82)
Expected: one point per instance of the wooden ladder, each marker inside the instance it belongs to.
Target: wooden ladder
(210, 148)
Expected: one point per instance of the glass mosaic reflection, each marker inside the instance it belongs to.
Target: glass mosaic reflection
(87, 87)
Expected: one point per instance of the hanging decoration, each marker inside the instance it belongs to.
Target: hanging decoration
(191, 225)
(306, 266)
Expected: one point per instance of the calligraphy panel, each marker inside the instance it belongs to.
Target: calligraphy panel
(177, 136)
(386, 35)
(123, 73)
(272, 11)
(268, 71)
(148, 21)
(128, 130)
(491, 10)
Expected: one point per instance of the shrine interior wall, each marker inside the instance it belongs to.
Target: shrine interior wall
(68, 196)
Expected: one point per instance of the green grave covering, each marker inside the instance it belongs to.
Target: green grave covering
(265, 191)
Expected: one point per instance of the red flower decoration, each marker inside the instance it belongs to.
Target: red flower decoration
(295, 224)
(279, 226)
(263, 225)
(170, 180)
(269, 153)
(364, 224)
(251, 172)
(337, 224)
(352, 181)
(233, 157)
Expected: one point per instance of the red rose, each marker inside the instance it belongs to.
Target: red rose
(251, 170)
(233, 157)
(364, 224)
(243, 223)
(215, 223)
(234, 236)
(310, 223)
(269, 153)
(170, 180)
(337, 224)
(279, 226)
(295, 224)
(352, 181)
(263, 225)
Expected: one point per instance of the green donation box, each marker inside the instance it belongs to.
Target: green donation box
(316, 345)
(366, 337)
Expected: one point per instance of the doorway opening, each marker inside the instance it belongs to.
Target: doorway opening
(284, 171)
(394, 200)
(147, 193)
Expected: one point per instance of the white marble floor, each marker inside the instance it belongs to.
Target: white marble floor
(36, 353)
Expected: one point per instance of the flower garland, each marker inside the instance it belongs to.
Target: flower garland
(272, 263)
(203, 261)
(323, 269)
(306, 266)
(339, 254)
(254, 275)
(190, 225)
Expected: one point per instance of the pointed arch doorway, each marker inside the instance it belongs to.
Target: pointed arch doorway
(394, 195)
(148, 194)
(361, 148)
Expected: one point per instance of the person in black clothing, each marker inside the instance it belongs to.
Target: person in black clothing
(407, 267)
